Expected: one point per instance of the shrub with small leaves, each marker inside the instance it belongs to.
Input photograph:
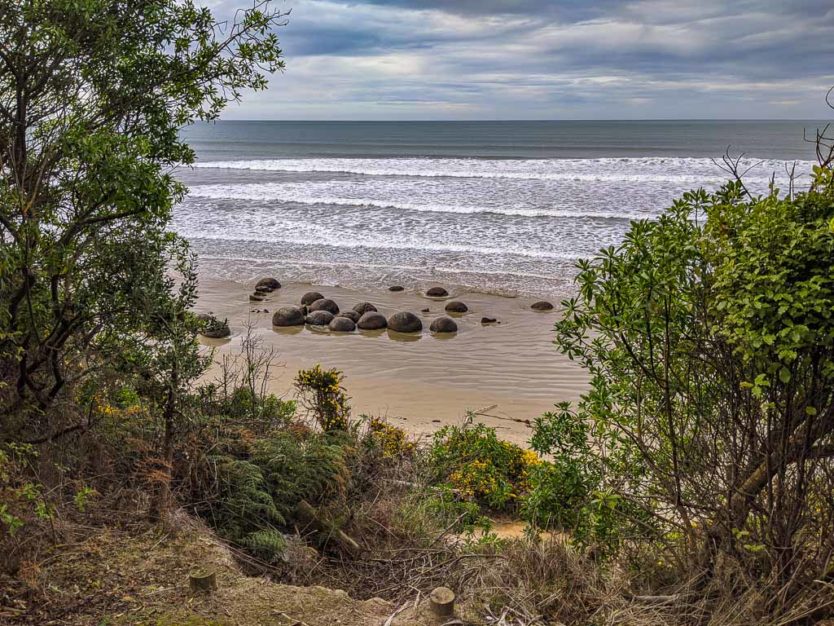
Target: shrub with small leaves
(472, 460)
(320, 391)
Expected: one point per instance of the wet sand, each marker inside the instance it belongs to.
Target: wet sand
(509, 372)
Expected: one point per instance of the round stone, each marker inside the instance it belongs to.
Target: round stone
(372, 321)
(325, 304)
(437, 292)
(353, 316)
(319, 318)
(363, 307)
(267, 284)
(288, 316)
(541, 306)
(212, 327)
(342, 325)
(405, 322)
(396, 288)
(456, 306)
(443, 325)
(310, 297)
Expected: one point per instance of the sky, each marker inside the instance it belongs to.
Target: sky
(548, 59)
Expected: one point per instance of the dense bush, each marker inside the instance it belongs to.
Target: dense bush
(471, 460)
(321, 393)
(709, 336)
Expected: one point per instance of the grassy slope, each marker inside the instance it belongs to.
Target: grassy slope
(117, 578)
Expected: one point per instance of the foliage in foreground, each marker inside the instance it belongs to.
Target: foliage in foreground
(709, 427)
(92, 96)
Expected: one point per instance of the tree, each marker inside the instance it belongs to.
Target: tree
(92, 96)
(709, 336)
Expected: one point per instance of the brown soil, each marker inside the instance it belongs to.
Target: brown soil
(117, 578)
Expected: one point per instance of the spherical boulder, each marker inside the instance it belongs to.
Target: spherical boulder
(324, 304)
(319, 318)
(437, 292)
(212, 327)
(342, 325)
(310, 297)
(396, 288)
(372, 321)
(405, 322)
(542, 306)
(456, 306)
(353, 316)
(267, 284)
(363, 307)
(443, 325)
(288, 316)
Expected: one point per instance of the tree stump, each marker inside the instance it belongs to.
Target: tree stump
(442, 601)
(202, 581)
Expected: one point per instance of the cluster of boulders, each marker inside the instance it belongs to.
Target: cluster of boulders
(316, 310)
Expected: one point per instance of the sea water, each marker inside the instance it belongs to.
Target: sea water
(500, 207)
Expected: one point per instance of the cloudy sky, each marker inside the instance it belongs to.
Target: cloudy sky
(549, 59)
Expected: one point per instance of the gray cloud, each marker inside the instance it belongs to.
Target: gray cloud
(448, 59)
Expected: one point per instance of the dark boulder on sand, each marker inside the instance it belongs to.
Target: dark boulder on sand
(488, 320)
(396, 288)
(288, 316)
(353, 316)
(456, 306)
(310, 297)
(443, 325)
(212, 327)
(405, 322)
(325, 304)
(319, 318)
(437, 292)
(267, 284)
(542, 306)
(372, 321)
(342, 325)
(363, 307)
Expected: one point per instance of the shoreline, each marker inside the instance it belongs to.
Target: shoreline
(508, 372)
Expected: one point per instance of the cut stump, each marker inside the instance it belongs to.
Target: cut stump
(442, 601)
(202, 581)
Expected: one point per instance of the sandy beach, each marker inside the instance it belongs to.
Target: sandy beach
(510, 372)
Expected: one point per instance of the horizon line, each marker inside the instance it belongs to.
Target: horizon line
(655, 119)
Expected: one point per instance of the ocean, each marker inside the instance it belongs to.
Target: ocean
(498, 207)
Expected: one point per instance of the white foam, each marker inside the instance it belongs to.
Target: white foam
(387, 244)
(693, 171)
(311, 194)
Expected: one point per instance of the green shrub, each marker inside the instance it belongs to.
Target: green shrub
(321, 393)
(423, 515)
(709, 337)
(472, 460)
(313, 468)
(243, 403)
(240, 506)
(250, 497)
(387, 440)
